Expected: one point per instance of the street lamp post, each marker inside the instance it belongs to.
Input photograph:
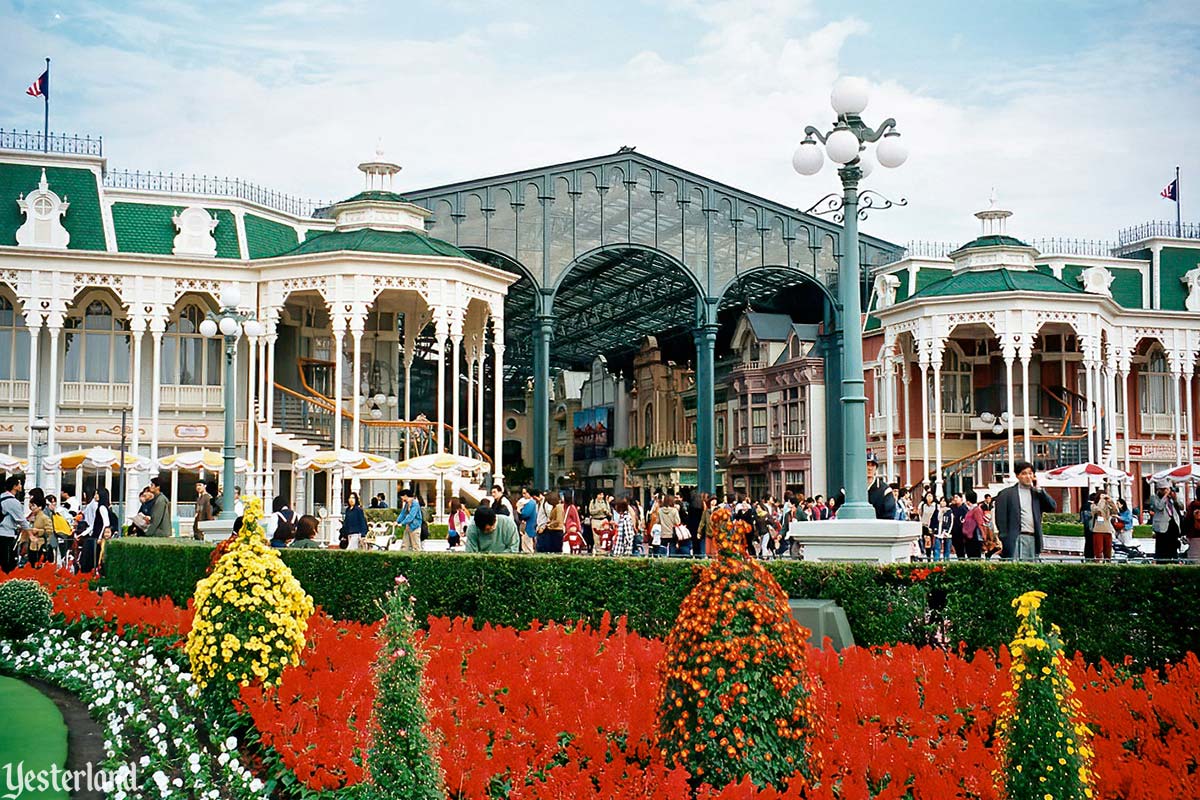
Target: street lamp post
(230, 324)
(846, 145)
(40, 428)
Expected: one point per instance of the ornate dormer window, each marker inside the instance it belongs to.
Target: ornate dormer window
(43, 211)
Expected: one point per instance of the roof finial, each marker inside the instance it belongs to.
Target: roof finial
(992, 198)
(379, 148)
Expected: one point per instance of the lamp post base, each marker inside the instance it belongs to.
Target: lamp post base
(875, 541)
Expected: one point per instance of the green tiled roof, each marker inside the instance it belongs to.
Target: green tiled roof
(376, 195)
(996, 280)
(266, 238)
(82, 220)
(147, 228)
(993, 241)
(369, 240)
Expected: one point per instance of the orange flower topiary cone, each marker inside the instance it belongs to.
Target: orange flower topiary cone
(735, 698)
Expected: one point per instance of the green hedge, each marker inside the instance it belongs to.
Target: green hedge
(1150, 613)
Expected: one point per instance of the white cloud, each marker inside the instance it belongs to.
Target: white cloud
(1076, 143)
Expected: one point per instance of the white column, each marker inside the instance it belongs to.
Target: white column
(889, 408)
(137, 329)
(1189, 378)
(248, 485)
(52, 400)
(924, 422)
(455, 386)
(155, 392)
(469, 428)
(1123, 379)
(498, 399)
(479, 439)
(1091, 411)
(440, 350)
(356, 384)
(1028, 444)
(905, 378)
(1178, 383)
(1110, 401)
(408, 359)
(335, 477)
(35, 333)
(269, 454)
(939, 479)
(1012, 417)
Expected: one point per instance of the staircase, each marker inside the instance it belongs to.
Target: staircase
(303, 423)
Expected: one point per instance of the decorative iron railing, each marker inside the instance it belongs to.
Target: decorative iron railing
(37, 142)
(1074, 247)
(211, 186)
(923, 249)
(1149, 230)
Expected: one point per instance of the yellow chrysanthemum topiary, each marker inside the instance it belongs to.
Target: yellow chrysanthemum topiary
(251, 614)
(1044, 743)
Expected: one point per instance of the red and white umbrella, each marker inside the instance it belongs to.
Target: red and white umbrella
(1085, 470)
(1184, 472)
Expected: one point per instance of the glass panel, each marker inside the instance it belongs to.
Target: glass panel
(670, 219)
(472, 230)
(724, 252)
(6, 353)
(191, 359)
(749, 241)
(121, 355)
(168, 369)
(587, 215)
(695, 234)
(530, 246)
(502, 225)
(441, 224)
(21, 355)
(642, 210)
(98, 317)
(616, 208)
(71, 345)
(97, 356)
(775, 251)
(213, 363)
(826, 263)
(562, 225)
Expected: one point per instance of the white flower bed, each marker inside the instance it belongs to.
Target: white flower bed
(144, 702)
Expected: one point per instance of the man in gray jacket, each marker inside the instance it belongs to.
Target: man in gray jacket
(12, 521)
(1167, 509)
(160, 511)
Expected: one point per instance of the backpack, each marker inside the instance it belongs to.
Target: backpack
(284, 525)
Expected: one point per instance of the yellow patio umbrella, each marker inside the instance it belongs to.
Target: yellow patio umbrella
(441, 463)
(96, 458)
(203, 459)
(349, 460)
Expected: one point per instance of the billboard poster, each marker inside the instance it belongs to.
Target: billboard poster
(593, 433)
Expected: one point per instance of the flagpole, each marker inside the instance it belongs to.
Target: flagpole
(1178, 216)
(46, 117)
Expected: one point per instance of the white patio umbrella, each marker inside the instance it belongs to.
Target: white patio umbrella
(203, 459)
(12, 464)
(348, 460)
(96, 458)
(1180, 474)
(441, 463)
(1086, 470)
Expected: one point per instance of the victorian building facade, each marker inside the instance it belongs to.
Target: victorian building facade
(999, 351)
(374, 335)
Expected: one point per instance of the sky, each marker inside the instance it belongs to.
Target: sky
(1075, 112)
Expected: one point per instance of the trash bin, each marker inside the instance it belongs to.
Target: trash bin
(824, 618)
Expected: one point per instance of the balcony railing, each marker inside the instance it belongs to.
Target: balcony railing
(211, 186)
(1158, 228)
(203, 398)
(670, 449)
(96, 395)
(14, 392)
(36, 142)
(792, 444)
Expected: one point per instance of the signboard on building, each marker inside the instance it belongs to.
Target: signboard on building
(593, 433)
(1157, 451)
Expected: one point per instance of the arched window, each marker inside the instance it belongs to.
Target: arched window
(14, 344)
(96, 346)
(720, 437)
(648, 430)
(188, 358)
(956, 383)
(1155, 385)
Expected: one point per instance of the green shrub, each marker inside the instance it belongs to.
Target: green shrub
(382, 514)
(1149, 612)
(24, 608)
(401, 759)
(1058, 516)
(1076, 529)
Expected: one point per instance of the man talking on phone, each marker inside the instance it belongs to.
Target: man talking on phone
(1019, 510)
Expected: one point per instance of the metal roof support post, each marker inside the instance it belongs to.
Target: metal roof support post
(706, 341)
(541, 398)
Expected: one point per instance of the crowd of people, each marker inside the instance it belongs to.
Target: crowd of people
(38, 528)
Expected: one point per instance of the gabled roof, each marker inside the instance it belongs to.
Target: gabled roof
(368, 240)
(769, 327)
(995, 280)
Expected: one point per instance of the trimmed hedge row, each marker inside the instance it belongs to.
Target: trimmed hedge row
(1149, 613)
(1076, 529)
